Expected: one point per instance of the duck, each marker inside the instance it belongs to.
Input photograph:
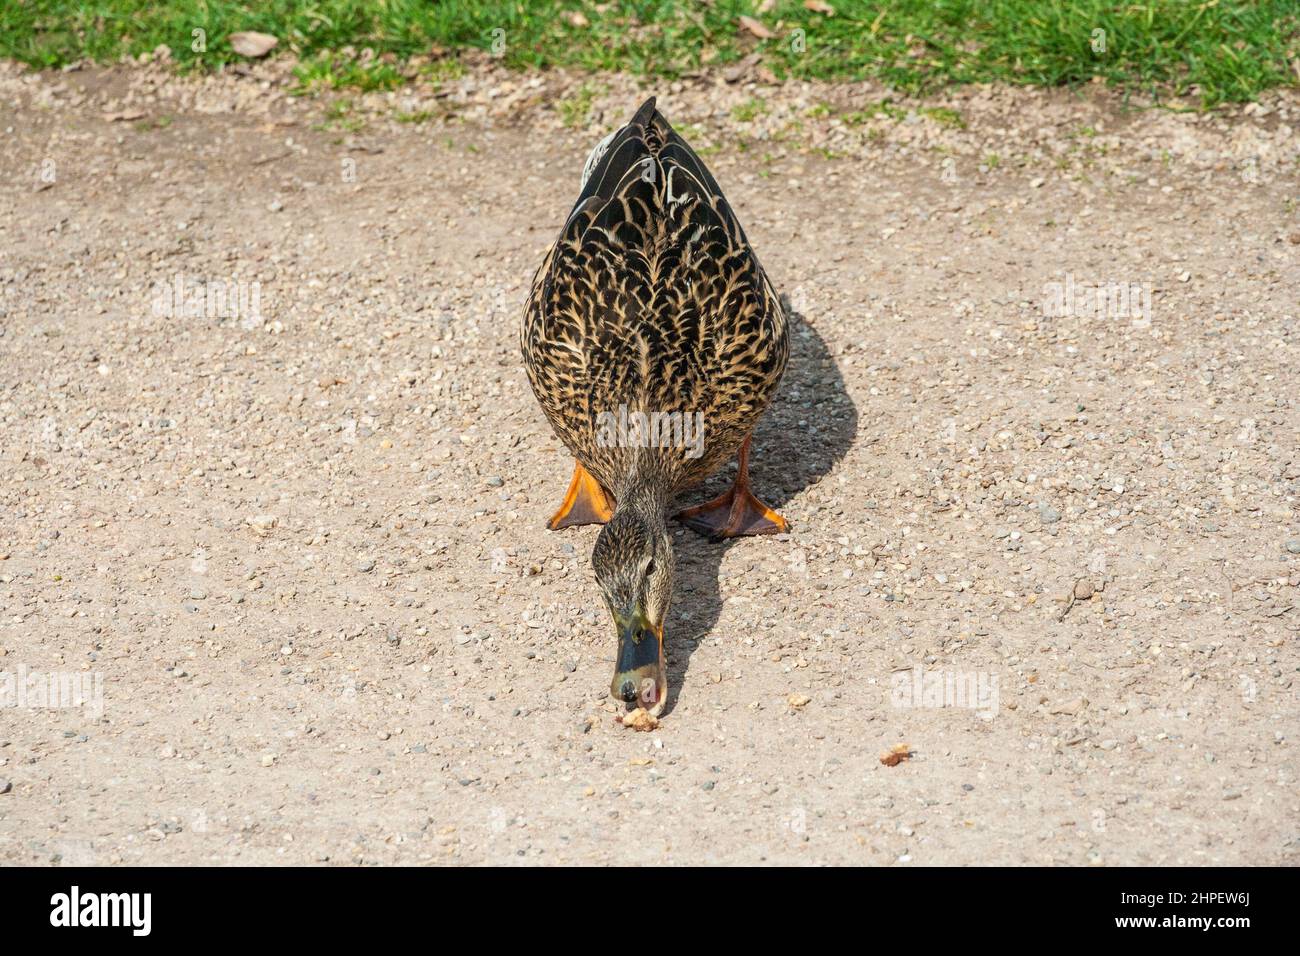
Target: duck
(653, 342)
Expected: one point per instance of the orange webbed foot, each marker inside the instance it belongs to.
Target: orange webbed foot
(736, 512)
(586, 502)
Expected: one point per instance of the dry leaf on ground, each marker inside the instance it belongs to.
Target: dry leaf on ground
(896, 755)
(640, 719)
(756, 28)
(252, 44)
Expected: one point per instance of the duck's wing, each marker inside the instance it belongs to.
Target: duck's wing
(650, 212)
(624, 151)
(652, 295)
(638, 174)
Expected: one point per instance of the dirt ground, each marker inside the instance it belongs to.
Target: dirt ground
(304, 552)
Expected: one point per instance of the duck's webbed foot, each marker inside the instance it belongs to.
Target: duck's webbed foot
(584, 503)
(736, 512)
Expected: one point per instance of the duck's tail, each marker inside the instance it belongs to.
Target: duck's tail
(646, 154)
(620, 149)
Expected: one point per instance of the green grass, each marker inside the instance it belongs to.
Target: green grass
(883, 108)
(341, 117)
(748, 111)
(1218, 50)
(334, 71)
(415, 118)
(575, 108)
(944, 116)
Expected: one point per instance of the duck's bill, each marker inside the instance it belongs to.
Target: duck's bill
(640, 678)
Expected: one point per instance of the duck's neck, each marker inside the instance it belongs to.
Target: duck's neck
(646, 493)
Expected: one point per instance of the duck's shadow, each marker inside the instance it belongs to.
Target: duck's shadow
(809, 427)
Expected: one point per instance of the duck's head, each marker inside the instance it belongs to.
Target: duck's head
(633, 561)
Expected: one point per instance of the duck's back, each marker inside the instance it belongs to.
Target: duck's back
(651, 303)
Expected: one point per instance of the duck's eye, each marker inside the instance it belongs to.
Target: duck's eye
(650, 567)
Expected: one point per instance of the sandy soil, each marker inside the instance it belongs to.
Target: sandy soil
(304, 550)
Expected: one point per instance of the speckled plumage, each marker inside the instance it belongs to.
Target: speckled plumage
(651, 303)
(652, 300)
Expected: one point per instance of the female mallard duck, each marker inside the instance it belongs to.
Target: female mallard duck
(653, 341)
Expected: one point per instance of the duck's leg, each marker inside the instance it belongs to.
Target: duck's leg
(736, 512)
(584, 503)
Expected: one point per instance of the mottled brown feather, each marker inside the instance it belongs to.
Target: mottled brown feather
(652, 298)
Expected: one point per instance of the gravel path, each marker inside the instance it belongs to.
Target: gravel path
(301, 544)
